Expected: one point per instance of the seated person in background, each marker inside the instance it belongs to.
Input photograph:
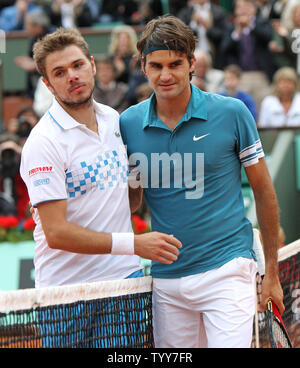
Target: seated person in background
(208, 21)
(117, 11)
(69, 13)
(122, 48)
(13, 193)
(284, 45)
(282, 108)
(12, 17)
(107, 91)
(37, 24)
(144, 91)
(136, 78)
(205, 77)
(232, 80)
(21, 124)
(245, 43)
(147, 10)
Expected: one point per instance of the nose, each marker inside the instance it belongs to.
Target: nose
(72, 75)
(165, 74)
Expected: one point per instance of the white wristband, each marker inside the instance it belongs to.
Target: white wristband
(122, 243)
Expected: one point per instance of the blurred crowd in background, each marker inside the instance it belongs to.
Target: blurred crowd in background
(246, 49)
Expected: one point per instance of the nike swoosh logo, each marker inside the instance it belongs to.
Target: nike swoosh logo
(195, 139)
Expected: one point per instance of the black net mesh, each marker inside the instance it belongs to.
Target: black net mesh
(111, 322)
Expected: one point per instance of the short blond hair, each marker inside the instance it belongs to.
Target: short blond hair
(287, 73)
(57, 41)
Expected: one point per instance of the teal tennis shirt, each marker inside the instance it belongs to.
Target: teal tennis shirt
(192, 177)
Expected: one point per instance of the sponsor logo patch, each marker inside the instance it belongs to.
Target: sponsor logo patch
(41, 169)
(46, 181)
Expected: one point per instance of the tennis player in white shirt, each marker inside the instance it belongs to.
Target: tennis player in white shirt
(75, 167)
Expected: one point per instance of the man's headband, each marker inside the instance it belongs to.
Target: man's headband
(152, 48)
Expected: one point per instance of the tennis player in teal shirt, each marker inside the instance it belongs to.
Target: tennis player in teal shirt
(189, 146)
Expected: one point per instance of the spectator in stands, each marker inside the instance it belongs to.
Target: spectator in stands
(287, 13)
(107, 91)
(136, 78)
(245, 43)
(13, 193)
(270, 9)
(232, 80)
(118, 11)
(282, 44)
(12, 17)
(175, 6)
(205, 77)
(282, 108)
(147, 10)
(208, 21)
(143, 92)
(37, 24)
(122, 48)
(27, 119)
(5, 4)
(94, 6)
(69, 13)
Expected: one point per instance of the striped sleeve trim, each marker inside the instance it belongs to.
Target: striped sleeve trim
(250, 155)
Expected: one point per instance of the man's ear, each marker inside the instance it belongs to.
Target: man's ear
(143, 65)
(192, 64)
(93, 65)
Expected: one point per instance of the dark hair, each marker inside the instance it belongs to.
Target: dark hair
(169, 32)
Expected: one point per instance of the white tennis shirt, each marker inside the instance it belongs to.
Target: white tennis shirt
(64, 160)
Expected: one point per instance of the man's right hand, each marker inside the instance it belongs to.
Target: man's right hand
(157, 247)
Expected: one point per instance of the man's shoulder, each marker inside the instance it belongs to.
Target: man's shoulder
(217, 100)
(135, 111)
(43, 131)
(230, 108)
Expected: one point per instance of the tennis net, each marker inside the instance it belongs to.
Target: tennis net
(112, 314)
(289, 272)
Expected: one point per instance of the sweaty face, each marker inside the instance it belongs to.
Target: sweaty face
(70, 76)
(168, 73)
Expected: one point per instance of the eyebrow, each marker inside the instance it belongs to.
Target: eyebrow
(154, 63)
(61, 67)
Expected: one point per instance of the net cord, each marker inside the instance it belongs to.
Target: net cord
(31, 298)
(289, 250)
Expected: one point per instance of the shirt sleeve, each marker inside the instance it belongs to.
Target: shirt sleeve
(249, 146)
(42, 169)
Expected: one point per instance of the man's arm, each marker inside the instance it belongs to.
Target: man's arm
(67, 236)
(135, 190)
(268, 221)
(135, 198)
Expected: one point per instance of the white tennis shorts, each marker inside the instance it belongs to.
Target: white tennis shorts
(214, 309)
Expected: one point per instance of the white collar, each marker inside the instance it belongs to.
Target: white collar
(65, 121)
